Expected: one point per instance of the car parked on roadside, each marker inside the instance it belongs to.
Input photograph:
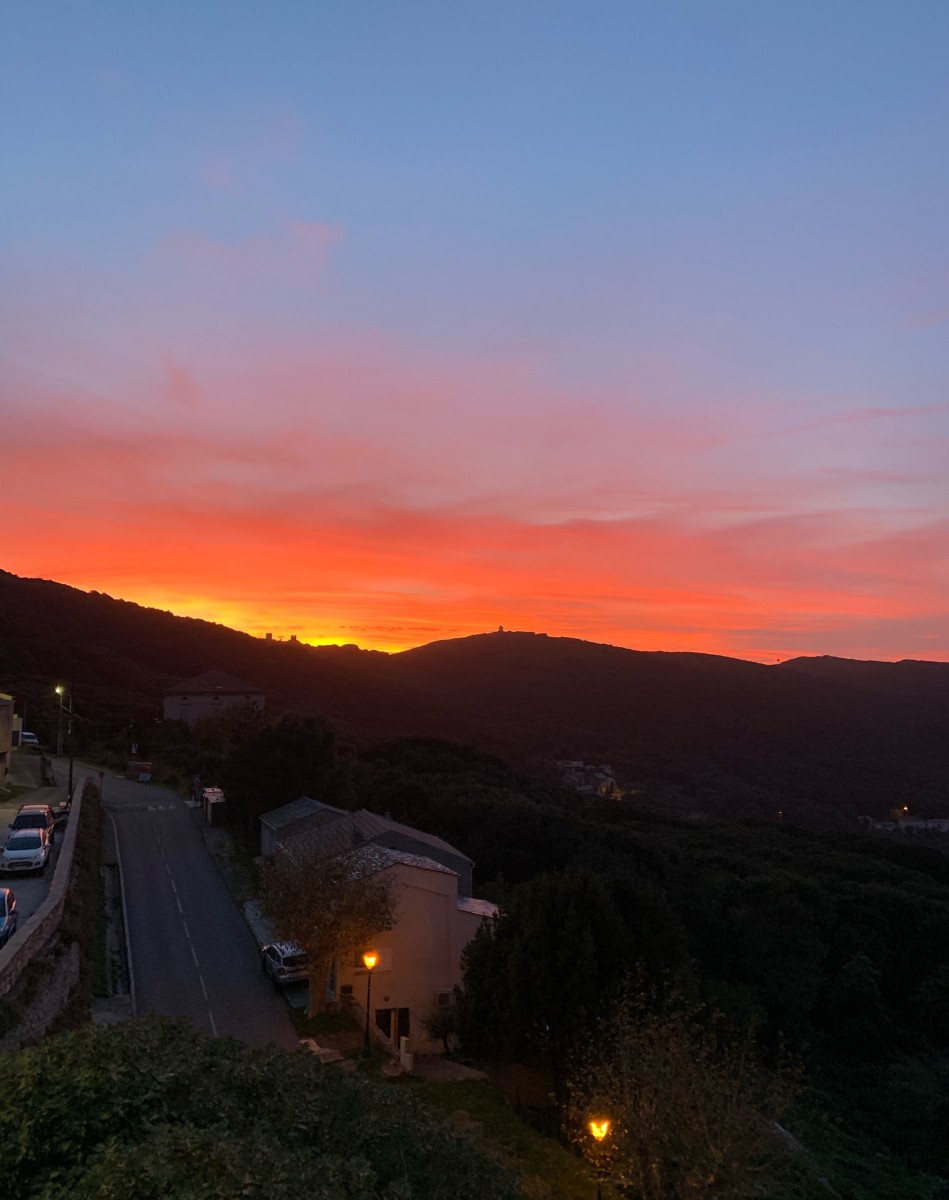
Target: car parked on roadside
(25, 850)
(29, 739)
(36, 816)
(8, 915)
(285, 963)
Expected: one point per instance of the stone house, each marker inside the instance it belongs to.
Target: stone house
(208, 695)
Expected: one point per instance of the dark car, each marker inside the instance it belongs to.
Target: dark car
(284, 963)
(36, 816)
(7, 915)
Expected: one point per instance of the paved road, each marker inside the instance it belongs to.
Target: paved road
(190, 950)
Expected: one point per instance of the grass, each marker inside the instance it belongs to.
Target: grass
(546, 1169)
(100, 982)
(325, 1023)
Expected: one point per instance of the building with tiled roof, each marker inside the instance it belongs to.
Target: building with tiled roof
(419, 959)
(208, 695)
(335, 831)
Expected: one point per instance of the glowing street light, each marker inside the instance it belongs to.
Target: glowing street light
(63, 693)
(599, 1127)
(369, 960)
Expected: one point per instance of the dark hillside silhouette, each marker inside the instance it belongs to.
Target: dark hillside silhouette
(697, 732)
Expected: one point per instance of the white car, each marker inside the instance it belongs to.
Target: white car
(26, 850)
(285, 963)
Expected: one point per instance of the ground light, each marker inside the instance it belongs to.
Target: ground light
(369, 960)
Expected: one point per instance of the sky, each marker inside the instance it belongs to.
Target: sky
(386, 322)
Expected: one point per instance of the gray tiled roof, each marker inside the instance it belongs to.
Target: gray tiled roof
(296, 810)
(372, 825)
(214, 681)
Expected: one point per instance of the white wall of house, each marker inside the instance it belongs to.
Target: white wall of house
(419, 957)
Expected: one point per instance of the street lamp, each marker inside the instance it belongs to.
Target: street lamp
(599, 1127)
(369, 960)
(61, 692)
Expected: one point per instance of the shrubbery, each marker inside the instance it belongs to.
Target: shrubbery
(155, 1110)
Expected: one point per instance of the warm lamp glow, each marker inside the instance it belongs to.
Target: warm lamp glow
(599, 1128)
(370, 958)
(59, 689)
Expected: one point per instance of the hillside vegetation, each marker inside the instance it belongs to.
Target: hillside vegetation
(692, 733)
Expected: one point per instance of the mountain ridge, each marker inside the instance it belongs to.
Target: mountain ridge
(704, 728)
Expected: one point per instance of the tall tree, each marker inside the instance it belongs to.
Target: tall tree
(535, 978)
(328, 906)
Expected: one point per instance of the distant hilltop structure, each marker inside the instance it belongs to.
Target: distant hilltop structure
(208, 695)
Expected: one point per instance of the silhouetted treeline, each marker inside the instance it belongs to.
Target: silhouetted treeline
(819, 740)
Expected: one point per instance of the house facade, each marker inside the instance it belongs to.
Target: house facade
(208, 695)
(419, 958)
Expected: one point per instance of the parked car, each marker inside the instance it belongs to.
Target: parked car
(26, 850)
(285, 963)
(8, 915)
(29, 739)
(36, 816)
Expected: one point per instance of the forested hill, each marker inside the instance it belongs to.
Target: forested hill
(698, 732)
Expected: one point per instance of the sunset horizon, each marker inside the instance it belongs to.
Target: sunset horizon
(262, 628)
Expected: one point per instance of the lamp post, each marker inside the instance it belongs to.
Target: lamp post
(369, 960)
(599, 1127)
(61, 691)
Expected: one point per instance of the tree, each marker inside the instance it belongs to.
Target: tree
(692, 1113)
(275, 764)
(442, 1025)
(328, 906)
(155, 1109)
(535, 977)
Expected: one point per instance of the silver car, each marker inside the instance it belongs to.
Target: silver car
(26, 850)
(284, 963)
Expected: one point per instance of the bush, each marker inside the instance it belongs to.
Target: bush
(155, 1110)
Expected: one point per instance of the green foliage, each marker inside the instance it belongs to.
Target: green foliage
(155, 1110)
(272, 765)
(535, 977)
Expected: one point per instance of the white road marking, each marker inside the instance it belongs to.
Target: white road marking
(184, 923)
